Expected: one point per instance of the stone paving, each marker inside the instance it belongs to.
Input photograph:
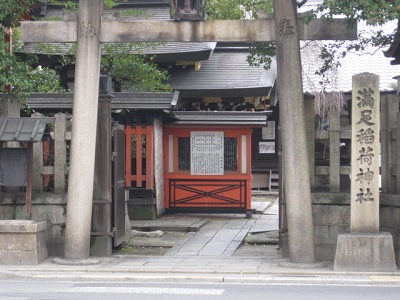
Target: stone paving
(211, 234)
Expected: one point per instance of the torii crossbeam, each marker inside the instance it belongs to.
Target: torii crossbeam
(118, 31)
(89, 32)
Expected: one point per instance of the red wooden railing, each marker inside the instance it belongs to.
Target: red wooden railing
(137, 176)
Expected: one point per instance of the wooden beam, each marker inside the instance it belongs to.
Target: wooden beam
(117, 31)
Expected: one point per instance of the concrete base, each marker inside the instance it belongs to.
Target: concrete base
(142, 212)
(22, 242)
(142, 204)
(305, 266)
(365, 252)
(100, 246)
(76, 262)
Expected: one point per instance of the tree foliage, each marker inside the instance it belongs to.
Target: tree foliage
(260, 52)
(26, 77)
(17, 77)
(372, 38)
(373, 12)
(124, 62)
(133, 70)
(13, 11)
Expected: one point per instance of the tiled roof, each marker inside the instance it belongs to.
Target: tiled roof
(203, 49)
(221, 117)
(225, 74)
(23, 129)
(140, 101)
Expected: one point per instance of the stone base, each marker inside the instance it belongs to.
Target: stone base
(100, 246)
(76, 262)
(22, 242)
(142, 212)
(304, 266)
(142, 204)
(365, 252)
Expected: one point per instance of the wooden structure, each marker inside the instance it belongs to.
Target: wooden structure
(329, 149)
(139, 156)
(16, 163)
(207, 161)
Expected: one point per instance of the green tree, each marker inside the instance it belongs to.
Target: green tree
(126, 63)
(17, 77)
(132, 69)
(373, 12)
(260, 52)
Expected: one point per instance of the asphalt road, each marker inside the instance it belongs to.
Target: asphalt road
(46, 290)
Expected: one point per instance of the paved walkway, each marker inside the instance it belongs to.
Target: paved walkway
(205, 255)
(210, 234)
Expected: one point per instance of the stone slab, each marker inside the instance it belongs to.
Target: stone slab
(18, 226)
(365, 252)
(22, 242)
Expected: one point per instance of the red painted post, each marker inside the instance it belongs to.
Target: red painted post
(139, 132)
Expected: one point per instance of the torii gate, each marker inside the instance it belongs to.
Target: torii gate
(90, 31)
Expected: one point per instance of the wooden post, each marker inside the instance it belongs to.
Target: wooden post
(149, 157)
(128, 156)
(101, 236)
(139, 165)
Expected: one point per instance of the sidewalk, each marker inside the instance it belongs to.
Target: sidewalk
(207, 252)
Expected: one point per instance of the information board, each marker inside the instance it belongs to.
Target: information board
(268, 132)
(266, 147)
(207, 153)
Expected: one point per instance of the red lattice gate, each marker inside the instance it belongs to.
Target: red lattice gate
(139, 153)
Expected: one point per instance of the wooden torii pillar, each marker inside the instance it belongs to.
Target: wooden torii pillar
(90, 30)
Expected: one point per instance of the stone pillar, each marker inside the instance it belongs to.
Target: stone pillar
(159, 166)
(365, 248)
(296, 173)
(309, 102)
(365, 148)
(334, 152)
(81, 175)
(10, 107)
